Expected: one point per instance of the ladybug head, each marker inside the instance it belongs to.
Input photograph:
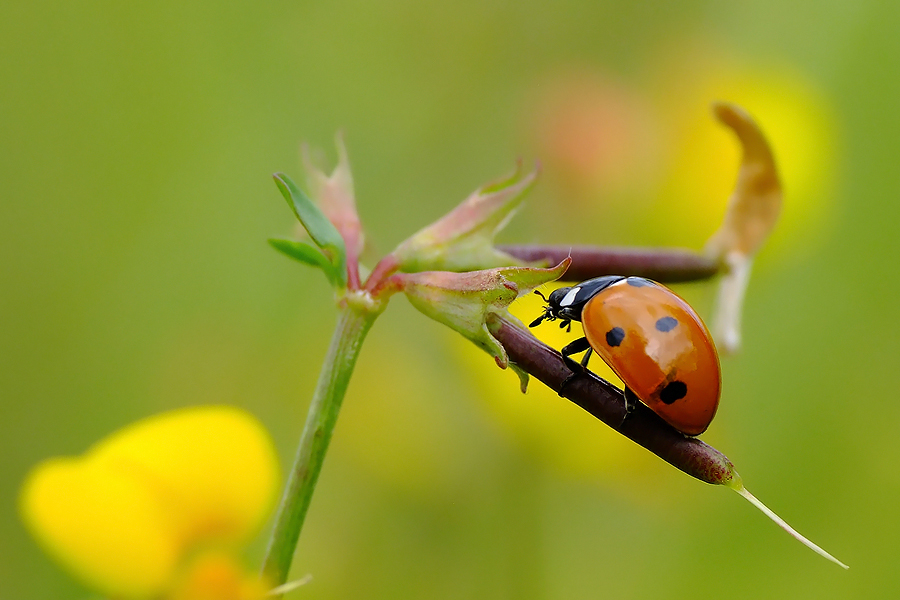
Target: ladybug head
(554, 307)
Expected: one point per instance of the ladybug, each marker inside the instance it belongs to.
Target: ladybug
(651, 338)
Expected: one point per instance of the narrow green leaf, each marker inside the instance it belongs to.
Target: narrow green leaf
(307, 254)
(320, 229)
(301, 251)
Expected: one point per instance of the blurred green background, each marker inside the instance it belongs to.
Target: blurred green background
(136, 146)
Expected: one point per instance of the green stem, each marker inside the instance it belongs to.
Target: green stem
(352, 327)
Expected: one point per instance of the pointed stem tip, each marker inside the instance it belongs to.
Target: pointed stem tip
(740, 489)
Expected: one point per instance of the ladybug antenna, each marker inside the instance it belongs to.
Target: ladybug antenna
(537, 321)
(547, 314)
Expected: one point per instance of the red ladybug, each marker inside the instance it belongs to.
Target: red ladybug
(651, 338)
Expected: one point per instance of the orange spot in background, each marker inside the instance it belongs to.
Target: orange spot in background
(596, 131)
(218, 577)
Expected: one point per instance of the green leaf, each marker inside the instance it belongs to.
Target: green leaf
(307, 254)
(320, 229)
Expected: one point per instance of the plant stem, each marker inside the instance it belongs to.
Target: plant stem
(352, 327)
(603, 400)
(666, 265)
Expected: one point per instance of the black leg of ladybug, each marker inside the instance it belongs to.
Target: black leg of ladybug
(579, 345)
(631, 402)
(586, 358)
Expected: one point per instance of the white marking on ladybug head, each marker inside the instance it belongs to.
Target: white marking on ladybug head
(569, 298)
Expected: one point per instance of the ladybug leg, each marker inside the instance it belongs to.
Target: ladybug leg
(579, 345)
(631, 402)
(586, 357)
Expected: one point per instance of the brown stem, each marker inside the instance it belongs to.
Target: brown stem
(666, 265)
(607, 403)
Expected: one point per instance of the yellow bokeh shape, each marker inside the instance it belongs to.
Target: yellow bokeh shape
(216, 465)
(126, 515)
(75, 507)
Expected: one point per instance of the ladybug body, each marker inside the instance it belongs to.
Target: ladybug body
(651, 338)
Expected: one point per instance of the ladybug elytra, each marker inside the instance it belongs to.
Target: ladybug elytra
(651, 338)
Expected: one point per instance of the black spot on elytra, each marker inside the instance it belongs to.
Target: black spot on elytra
(674, 390)
(638, 282)
(666, 324)
(615, 336)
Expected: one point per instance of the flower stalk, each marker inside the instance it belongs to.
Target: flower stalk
(666, 265)
(352, 326)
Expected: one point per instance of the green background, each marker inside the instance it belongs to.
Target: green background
(136, 147)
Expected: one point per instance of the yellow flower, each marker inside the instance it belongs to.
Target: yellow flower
(161, 508)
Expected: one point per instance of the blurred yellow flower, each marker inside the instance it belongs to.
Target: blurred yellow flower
(160, 508)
